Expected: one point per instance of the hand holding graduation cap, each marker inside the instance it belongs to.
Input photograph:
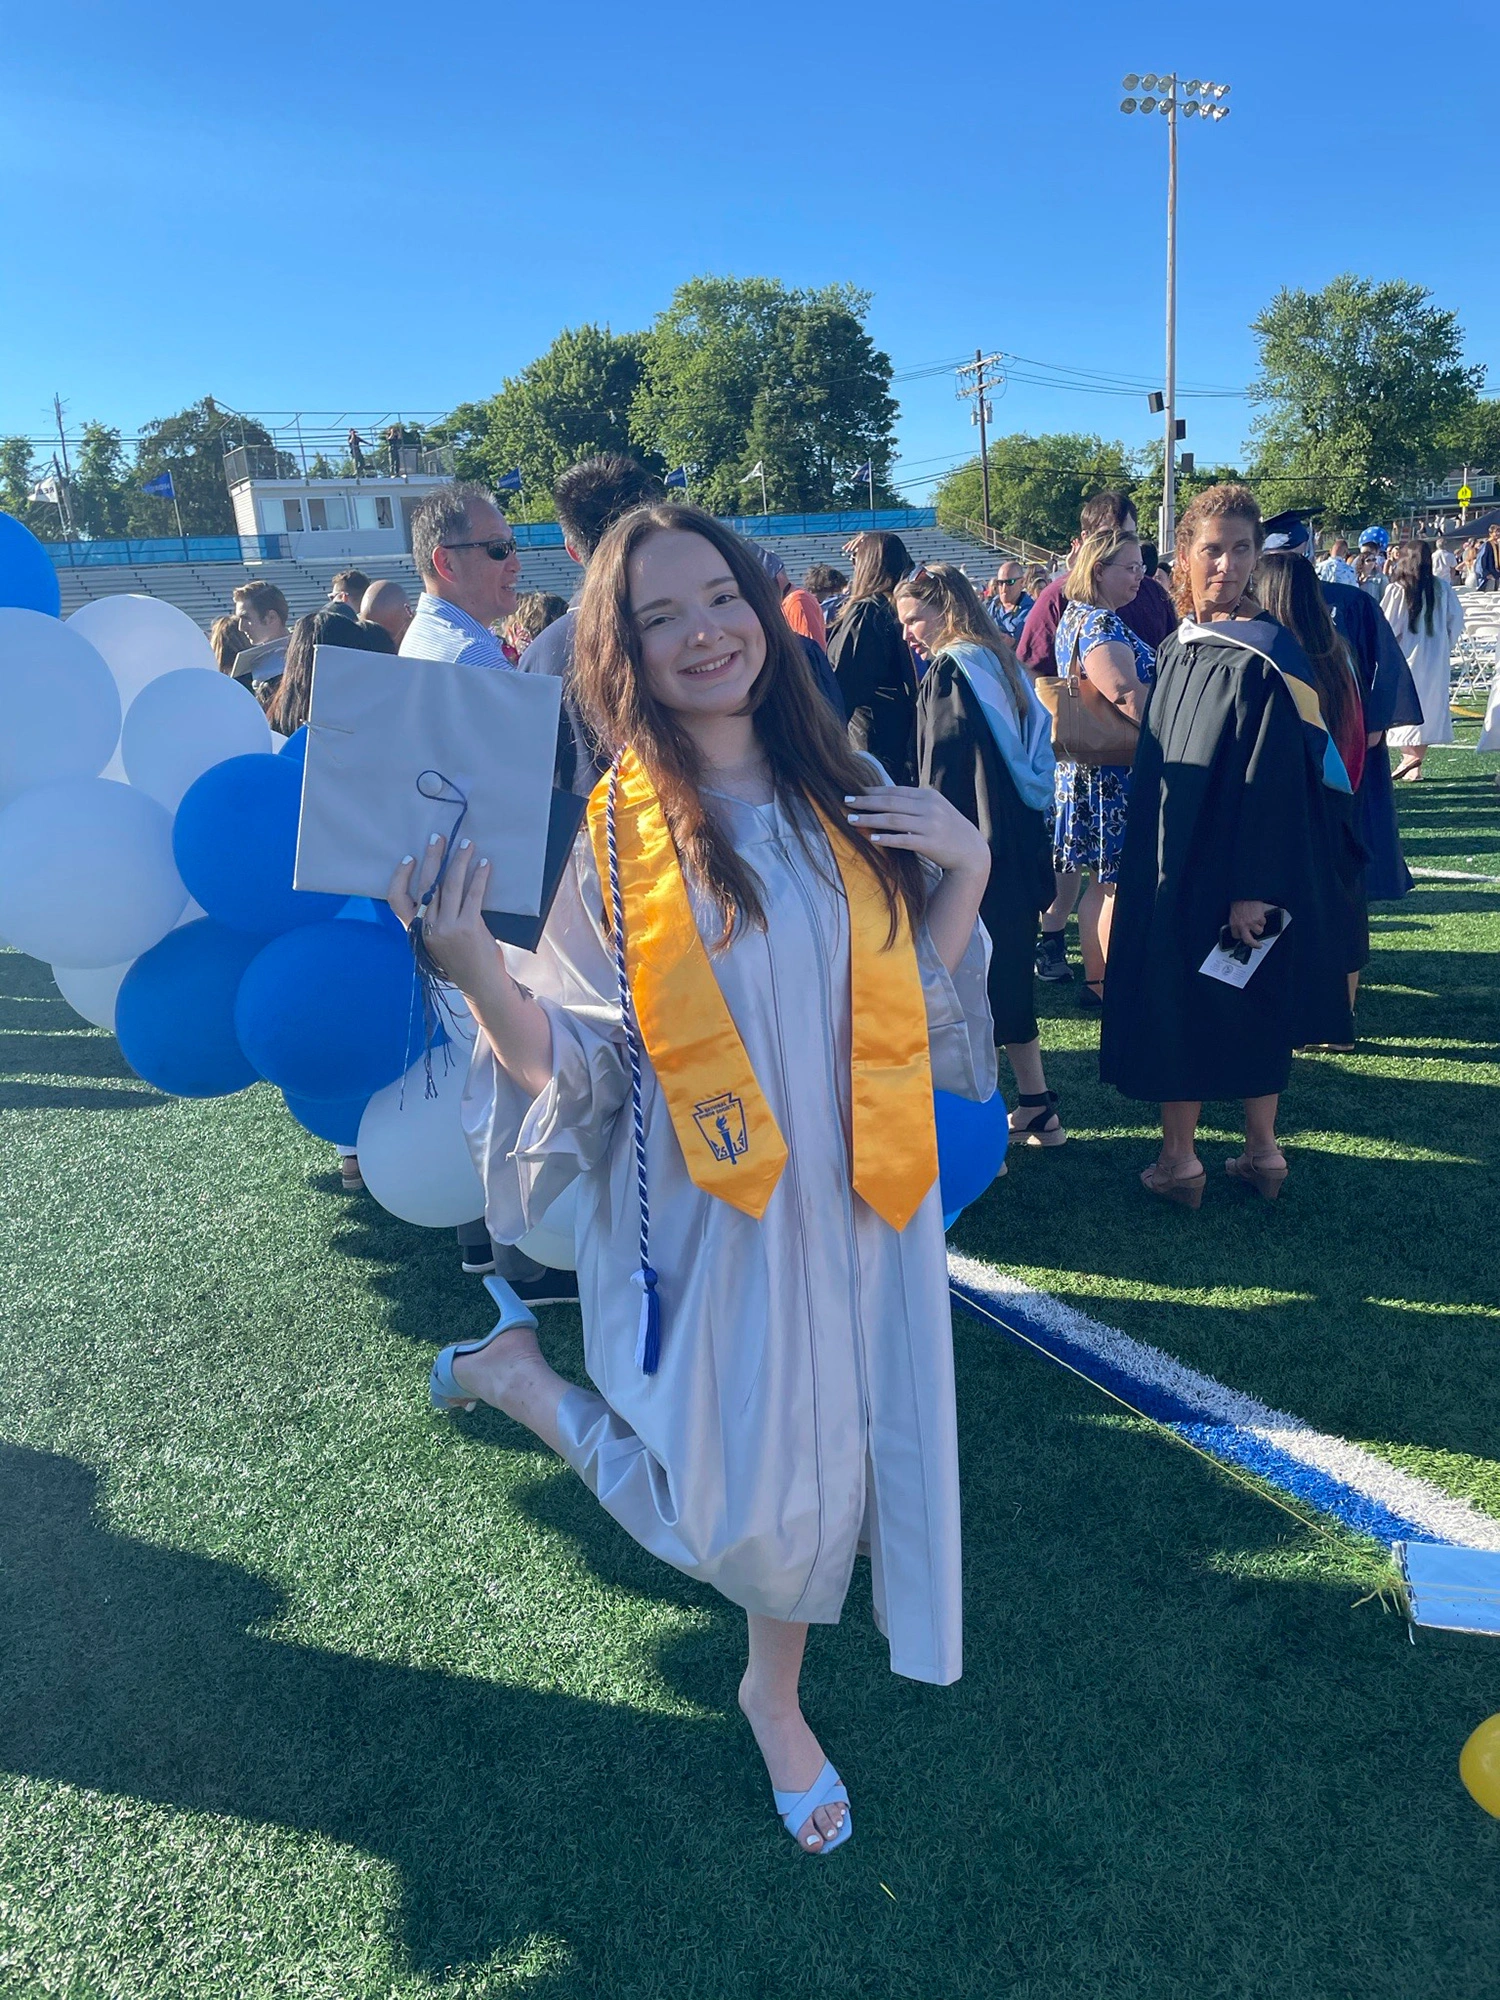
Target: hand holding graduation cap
(459, 943)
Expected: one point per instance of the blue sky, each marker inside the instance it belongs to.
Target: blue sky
(343, 208)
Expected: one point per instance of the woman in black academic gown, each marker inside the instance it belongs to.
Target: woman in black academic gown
(871, 661)
(984, 741)
(1230, 820)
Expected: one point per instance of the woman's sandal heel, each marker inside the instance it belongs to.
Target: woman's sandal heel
(1267, 1181)
(1042, 1106)
(1185, 1189)
(797, 1808)
(441, 1386)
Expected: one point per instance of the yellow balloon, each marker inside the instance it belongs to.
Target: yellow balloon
(1479, 1765)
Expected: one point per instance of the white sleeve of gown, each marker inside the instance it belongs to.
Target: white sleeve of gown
(960, 1029)
(529, 1149)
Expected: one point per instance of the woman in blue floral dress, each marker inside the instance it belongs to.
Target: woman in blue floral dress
(1089, 828)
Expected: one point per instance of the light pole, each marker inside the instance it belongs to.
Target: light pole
(1194, 99)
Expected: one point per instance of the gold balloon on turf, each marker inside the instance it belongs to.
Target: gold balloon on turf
(1479, 1765)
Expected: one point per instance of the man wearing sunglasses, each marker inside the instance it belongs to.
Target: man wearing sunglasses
(466, 557)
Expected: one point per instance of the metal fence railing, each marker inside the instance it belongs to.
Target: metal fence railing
(267, 462)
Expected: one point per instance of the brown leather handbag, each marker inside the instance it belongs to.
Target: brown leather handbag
(1087, 727)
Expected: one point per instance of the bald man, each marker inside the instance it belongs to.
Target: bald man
(385, 604)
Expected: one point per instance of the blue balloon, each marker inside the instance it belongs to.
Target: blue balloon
(293, 753)
(331, 1010)
(335, 1119)
(235, 841)
(971, 1139)
(175, 1014)
(28, 575)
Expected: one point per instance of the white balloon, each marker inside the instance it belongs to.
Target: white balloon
(141, 638)
(183, 723)
(550, 1241)
(412, 1151)
(59, 701)
(86, 873)
(92, 990)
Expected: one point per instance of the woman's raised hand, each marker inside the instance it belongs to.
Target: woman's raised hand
(453, 927)
(916, 817)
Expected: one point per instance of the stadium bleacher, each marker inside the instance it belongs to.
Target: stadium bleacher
(205, 590)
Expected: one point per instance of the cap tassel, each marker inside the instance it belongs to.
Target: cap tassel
(648, 1333)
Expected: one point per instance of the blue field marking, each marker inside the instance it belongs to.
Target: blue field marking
(1344, 1481)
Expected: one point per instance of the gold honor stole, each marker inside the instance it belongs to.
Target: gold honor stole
(730, 1140)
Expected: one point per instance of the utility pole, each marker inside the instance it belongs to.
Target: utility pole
(67, 481)
(982, 411)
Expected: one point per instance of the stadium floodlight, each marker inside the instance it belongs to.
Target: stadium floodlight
(1129, 82)
(1201, 99)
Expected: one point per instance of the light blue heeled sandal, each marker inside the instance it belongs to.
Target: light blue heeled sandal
(445, 1392)
(796, 1808)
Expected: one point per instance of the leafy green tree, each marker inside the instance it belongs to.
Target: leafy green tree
(1361, 385)
(1037, 484)
(101, 486)
(572, 402)
(191, 446)
(19, 472)
(1474, 439)
(743, 369)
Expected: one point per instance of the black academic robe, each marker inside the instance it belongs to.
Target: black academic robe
(877, 684)
(1226, 805)
(1390, 699)
(957, 757)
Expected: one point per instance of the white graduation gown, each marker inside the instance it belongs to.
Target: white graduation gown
(1430, 657)
(804, 1405)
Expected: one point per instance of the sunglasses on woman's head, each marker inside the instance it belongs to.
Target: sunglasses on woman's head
(500, 551)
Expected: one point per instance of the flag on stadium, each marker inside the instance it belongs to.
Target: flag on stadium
(162, 485)
(679, 479)
(509, 482)
(47, 489)
(756, 471)
(865, 471)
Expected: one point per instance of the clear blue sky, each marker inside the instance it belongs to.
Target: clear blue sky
(372, 208)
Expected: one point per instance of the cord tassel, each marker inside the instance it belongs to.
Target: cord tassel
(648, 1333)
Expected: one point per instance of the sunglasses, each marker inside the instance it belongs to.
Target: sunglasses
(500, 551)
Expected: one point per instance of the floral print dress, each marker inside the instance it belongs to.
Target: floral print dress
(1089, 825)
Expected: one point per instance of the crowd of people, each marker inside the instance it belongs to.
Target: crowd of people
(835, 831)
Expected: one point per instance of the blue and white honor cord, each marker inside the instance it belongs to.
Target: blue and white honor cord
(648, 1336)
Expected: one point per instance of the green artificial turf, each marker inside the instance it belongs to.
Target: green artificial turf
(307, 1692)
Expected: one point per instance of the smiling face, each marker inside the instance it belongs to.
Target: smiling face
(1219, 564)
(1118, 581)
(702, 646)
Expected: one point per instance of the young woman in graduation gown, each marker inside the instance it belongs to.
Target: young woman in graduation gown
(984, 741)
(872, 663)
(761, 1260)
(1229, 819)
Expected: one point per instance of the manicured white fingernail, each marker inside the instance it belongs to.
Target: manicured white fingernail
(484, 861)
(853, 818)
(434, 839)
(850, 797)
(407, 860)
(463, 844)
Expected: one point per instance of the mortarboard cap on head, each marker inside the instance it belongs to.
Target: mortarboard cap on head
(1291, 532)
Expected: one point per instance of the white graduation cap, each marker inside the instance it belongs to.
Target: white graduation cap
(400, 749)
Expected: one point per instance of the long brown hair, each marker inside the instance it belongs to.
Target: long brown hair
(1212, 504)
(229, 639)
(291, 698)
(1412, 569)
(964, 617)
(880, 562)
(1287, 586)
(809, 753)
